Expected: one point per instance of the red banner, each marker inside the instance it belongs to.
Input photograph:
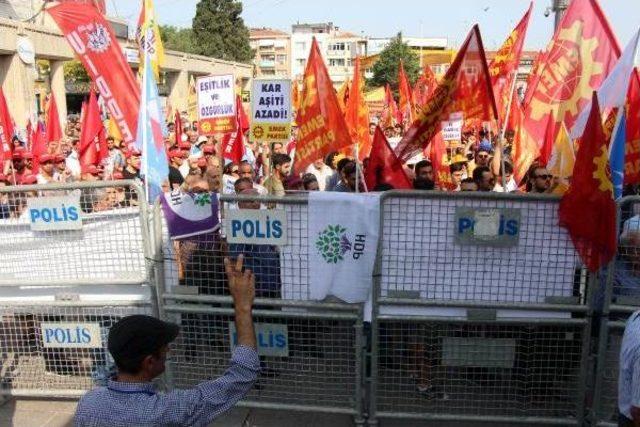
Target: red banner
(95, 45)
(582, 53)
(465, 88)
(632, 155)
(6, 130)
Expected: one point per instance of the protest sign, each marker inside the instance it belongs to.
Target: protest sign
(452, 129)
(216, 104)
(271, 110)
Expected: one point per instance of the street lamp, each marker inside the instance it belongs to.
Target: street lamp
(558, 7)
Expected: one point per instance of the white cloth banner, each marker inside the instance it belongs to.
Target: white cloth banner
(343, 239)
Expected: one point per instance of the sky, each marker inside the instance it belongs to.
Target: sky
(384, 18)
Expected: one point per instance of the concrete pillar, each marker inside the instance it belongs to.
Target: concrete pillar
(178, 83)
(58, 89)
(17, 79)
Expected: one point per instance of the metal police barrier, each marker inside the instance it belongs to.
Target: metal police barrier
(617, 301)
(311, 352)
(605, 410)
(73, 234)
(480, 311)
(75, 259)
(58, 348)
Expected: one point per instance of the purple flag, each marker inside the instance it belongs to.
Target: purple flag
(190, 214)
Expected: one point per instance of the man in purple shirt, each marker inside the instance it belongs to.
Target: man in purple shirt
(139, 346)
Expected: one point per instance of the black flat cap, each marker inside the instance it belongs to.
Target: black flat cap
(135, 337)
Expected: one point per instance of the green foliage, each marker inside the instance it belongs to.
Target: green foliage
(180, 39)
(385, 70)
(219, 31)
(74, 72)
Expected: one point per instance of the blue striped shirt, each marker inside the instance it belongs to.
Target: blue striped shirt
(138, 404)
(629, 380)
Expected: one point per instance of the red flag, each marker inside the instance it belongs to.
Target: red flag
(177, 126)
(549, 140)
(632, 154)
(321, 125)
(38, 145)
(475, 103)
(384, 167)
(54, 128)
(243, 120)
(96, 46)
(233, 142)
(356, 114)
(588, 210)
(438, 157)
(92, 148)
(504, 67)
(6, 131)
(406, 103)
(582, 53)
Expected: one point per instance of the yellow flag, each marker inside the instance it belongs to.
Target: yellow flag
(343, 94)
(563, 156)
(113, 130)
(148, 37)
(192, 101)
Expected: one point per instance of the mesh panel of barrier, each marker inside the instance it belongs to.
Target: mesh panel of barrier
(57, 349)
(626, 273)
(607, 374)
(107, 247)
(281, 272)
(479, 369)
(309, 361)
(477, 250)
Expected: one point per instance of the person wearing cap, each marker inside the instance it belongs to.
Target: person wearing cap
(132, 171)
(176, 158)
(19, 164)
(64, 174)
(47, 173)
(481, 158)
(139, 345)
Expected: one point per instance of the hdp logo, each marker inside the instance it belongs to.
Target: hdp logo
(333, 243)
(202, 199)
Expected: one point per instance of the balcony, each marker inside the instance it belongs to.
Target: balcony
(267, 64)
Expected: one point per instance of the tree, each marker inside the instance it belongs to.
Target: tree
(74, 72)
(219, 31)
(385, 70)
(180, 39)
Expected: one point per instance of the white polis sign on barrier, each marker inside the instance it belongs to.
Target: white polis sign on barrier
(55, 213)
(256, 226)
(272, 338)
(71, 335)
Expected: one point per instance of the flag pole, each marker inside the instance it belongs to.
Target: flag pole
(504, 129)
(357, 150)
(145, 142)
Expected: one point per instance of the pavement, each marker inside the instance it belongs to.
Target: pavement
(59, 413)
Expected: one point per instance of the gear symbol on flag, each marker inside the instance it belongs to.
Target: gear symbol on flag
(603, 171)
(309, 94)
(574, 54)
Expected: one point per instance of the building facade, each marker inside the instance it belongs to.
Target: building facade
(338, 48)
(272, 52)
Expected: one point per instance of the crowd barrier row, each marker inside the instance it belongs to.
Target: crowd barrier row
(480, 309)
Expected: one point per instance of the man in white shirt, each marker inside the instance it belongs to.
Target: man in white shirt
(629, 378)
(321, 171)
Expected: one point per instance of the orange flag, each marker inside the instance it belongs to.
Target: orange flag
(384, 167)
(549, 141)
(321, 125)
(6, 131)
(356, 114)
(92, 148)
(438, 157)
(525, 149)
(504, 67)
(424, 87)
(447, 98)
(390, 110)
(588, 210)
(295, 95)
(54, 128)
(406, 102)
(582, 53)
(632, 154)
(343, 94)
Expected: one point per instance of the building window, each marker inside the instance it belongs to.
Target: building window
(301, 62)
(337, 46)
(301, 45)
(336, 62)
(268, 72)
(268, 57)
(281, 59)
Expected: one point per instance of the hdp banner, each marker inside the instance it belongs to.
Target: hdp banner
(189, 214)
(343, 239)
(95, 45)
